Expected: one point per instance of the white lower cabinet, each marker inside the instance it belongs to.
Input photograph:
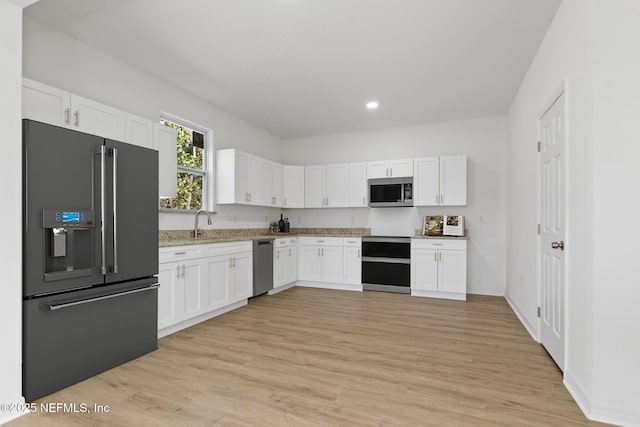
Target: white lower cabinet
(331, 262)
(285, 262)
(201, 281)
(439, 268)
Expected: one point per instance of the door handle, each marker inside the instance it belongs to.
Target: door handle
(115, 210)
(558, 245)
(53, 307)
(103, 208)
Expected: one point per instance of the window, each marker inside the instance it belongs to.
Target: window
(192, 168)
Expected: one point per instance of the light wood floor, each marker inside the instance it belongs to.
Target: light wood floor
(321, 357)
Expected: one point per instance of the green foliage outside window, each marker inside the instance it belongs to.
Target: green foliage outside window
(190, 170)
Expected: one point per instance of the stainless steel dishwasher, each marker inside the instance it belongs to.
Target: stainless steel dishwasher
(262, 266)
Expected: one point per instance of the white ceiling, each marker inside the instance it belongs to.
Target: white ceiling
(307, 67)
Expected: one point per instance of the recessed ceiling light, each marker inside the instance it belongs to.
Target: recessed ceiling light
(372, 105)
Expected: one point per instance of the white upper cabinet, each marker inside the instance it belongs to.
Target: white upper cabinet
(293, 187)
(337, 185)
(453, 180)
(45, 104)
(54, 106)
(242, 178)
(327, 186)
(357, 185)
(315, 186)
(165, 140)
(398, 168)
(96, 118)
(440, 181)
(138, 130)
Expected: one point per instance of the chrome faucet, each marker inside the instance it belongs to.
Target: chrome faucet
(195, 229)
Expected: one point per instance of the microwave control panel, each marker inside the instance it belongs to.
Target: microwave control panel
(68, 218)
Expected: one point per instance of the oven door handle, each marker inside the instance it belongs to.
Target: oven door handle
(386, 260)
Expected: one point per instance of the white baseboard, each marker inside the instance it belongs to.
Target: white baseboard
(281, 288)
(598, 412)
(6, 416)
(336, 286)
(198, 319)
(488, 293)
(533, 331)
(441, 295)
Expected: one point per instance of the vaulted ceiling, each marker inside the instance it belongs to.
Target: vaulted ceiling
(307, 67)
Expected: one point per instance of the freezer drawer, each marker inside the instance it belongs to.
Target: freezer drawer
(71, 337)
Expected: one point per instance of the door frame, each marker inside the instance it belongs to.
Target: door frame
(562, 89)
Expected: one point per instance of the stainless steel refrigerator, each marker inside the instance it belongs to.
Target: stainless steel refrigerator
(90, 255)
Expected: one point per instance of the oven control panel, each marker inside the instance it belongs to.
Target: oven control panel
(68, 218)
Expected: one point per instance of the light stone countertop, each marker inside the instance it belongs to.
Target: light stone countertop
(419, 235)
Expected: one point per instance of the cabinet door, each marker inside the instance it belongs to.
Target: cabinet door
(194, 285)
(352, 268)
(292, 265)
(452, 271)
(310, 265)
(426, 185)
(242, 276)
(45, 104)
(96, 119)
(377, 169)
(293, 187)
(138, 131)
(331, 264)
(218, 269)
(265, 198)
(453, 180)
(424, 269)
(241, 177)
(280, 266)
(315, 189)
(277, 184)
(254, 174)
(338, 185)
(357, 185)
(165, 141)
(401, 168)
(169, 276)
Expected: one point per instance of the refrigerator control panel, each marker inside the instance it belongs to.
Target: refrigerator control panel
(68, 219)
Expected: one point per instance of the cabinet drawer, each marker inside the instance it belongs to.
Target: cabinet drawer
(438, 244)
(180, 253)
(320, 241)
(352, 242)
(216, 249)
(285, 242)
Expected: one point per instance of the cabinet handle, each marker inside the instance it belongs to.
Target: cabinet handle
(180, 253)
(67, 112)
(322, 250)
(234, 262)
(285, 201)
(183, 270)
(76, 118)
(390, 171)
(435, 257)
(318, 251)
(327, 201)
(358, 253)
(277, 254)
(289, 251)
(442, 199)
(178, 271)
(436, 198)
(440, 256)
(386, 172)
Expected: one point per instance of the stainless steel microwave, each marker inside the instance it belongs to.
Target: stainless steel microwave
(390, 192)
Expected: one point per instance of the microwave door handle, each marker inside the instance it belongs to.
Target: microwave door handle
(115, 210)
(103, 208)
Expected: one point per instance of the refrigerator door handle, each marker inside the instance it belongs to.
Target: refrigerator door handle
(53, 307)
(115, 210)
(103, 208)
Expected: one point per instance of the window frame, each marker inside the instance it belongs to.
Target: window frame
(208, 161)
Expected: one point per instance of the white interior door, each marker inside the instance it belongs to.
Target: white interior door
(552, 230)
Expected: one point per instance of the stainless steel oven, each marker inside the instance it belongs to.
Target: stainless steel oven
(386, 264)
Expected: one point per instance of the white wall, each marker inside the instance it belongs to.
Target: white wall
(58, 60)
(484, 142)
(593, 44)
(616, 272)
(11, 212)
